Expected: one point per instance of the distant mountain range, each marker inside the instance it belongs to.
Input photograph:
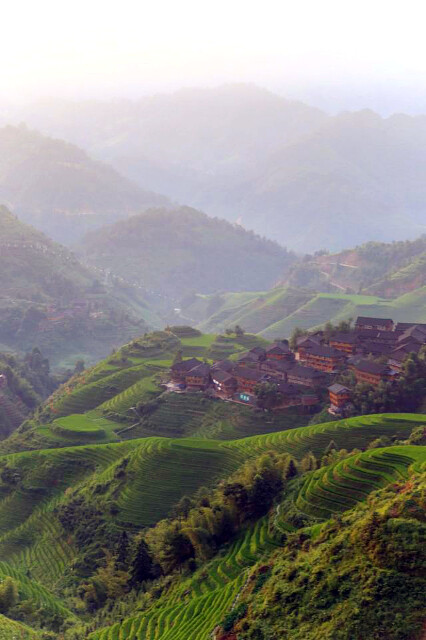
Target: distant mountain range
(286, 170)
(180, 252)
(56, 186)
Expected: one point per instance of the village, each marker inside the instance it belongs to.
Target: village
(374, 350)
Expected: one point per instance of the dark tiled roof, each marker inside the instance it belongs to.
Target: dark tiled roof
(416, 332)
(277, 365)
(348, 338)
(326, 352)
(253, 355)
(259, 351)
(288, 389)
(403, 326)
(376, 347)
(307, 341)
(338, 388)
(369, 334)
(278, 347)
(224, 365)
(369, 366)
(201, 371)
(368, 320)
(248, 374)
(186, 365)
(222, 376)
(389, 336)
(307, 373)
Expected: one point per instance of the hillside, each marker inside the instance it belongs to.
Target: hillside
(182, 251)
(276, 313)
(60, 507)
(58, 188)
(121, 398)
(385, 269)
(287, 171)
(48, 299)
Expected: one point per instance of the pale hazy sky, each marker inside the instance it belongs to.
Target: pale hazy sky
(94, 47)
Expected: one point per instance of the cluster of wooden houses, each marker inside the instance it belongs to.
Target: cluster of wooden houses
(374, 350)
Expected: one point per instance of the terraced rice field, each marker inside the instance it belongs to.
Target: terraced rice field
(87, 426)
(340, 486)
(91, 395)
(142, 391)
(32, 590)
(349, 434)
(161, 470)
(193, 609)
(11, 630)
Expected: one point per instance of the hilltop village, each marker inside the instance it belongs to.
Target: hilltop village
(278, 377)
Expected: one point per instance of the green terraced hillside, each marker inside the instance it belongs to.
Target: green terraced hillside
(156, 473)
(276, 313)
(191, 609)
(338, 487)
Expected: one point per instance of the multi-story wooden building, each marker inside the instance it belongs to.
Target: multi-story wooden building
(306, 376)
(198, 378)
(345, 342)
(247, 379)
(339, 397)
(224, 382)
(373, 373)
(279, 351)
(180, 369)
(324, 358)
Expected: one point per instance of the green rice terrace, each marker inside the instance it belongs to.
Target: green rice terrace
(135, 483)
(340, 486)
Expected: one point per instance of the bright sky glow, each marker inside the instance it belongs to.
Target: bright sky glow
(94, 47)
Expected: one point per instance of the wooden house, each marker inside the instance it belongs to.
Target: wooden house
(224, 383)
(279, 351)
(306, 376)
(252, 357)
(324, 358)
(345, 342)
(373, 373)
(179, 370)
(247, 379)
(198, 378)
(276, 368)
(339, 397)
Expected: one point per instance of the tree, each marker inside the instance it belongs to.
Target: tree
(290, 470)
(238, 331)
(308, 462)
(178, 356)
(297, 333)
(268, 395)
(141, 566)
(8, 594)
